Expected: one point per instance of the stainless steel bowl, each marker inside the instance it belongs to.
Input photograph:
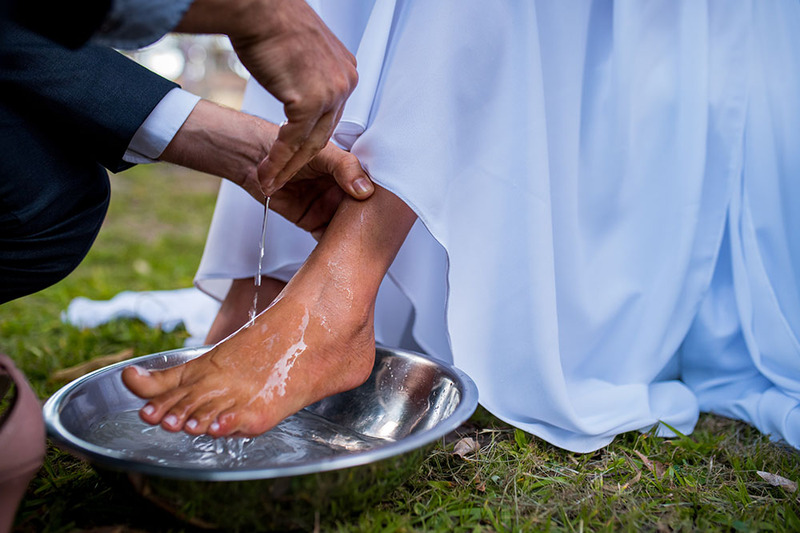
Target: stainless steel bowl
(336, 457)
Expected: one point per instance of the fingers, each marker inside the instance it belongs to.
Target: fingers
(296, 144)
(346, 170)
(308, 203)
(321, 211)
(292, 53)
(313, 110)
(311, 198)
(253, 188)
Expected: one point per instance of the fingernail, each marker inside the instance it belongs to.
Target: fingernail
(171, 420)
(362, 186)
(148, 409)
(191, 423)
(214, 426)
(140, 370)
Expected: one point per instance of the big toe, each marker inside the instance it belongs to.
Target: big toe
(149, 383)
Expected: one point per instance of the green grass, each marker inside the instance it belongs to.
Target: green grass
(152, 240)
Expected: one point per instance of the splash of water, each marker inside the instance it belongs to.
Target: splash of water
(301, 438)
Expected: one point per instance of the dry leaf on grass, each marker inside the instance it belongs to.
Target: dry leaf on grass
(74, 372)
(633, 481)
(465, 446)
(778, 481)
(658, 469)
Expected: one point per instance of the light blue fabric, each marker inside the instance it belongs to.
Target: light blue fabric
(609, 195)
(741, 356)
(133, 24)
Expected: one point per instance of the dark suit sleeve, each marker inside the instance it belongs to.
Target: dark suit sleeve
(70, 24)
(94, 97)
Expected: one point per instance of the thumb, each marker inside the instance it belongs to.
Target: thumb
(352, 178)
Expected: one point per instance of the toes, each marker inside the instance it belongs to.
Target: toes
(199, 421)
(150, 383)
(177, 415)
(225, 424)
(245, 423)
(156, 409)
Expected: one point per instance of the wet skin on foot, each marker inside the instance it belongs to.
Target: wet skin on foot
(315, 340)
(250, 382)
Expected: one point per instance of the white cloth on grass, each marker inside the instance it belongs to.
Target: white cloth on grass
(607, 192)
(158, 309)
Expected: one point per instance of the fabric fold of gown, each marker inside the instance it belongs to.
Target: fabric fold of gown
(606, 239)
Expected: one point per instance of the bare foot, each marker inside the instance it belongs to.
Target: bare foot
(235, 310)
(305, 347)
(315, 340)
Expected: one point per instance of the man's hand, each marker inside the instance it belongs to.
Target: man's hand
(292, 53)
(233, 145)
(311, 198)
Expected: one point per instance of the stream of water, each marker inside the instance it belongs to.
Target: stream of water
(257, 279)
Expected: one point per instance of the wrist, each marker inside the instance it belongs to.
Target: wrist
(255, 20)
(247, 140)
(222, 142)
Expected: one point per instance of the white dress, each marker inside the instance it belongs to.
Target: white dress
(607, 196)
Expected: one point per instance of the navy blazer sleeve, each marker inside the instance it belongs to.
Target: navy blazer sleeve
(68, 23)
(94, 97)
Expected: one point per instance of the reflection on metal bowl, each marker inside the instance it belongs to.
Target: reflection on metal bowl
(335, 457)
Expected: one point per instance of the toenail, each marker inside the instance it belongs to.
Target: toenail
(191, 423)
(214, 426)
(171, 420)
(148, 409)
(140, 370)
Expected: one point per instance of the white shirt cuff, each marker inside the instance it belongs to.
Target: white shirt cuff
(161, 125)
